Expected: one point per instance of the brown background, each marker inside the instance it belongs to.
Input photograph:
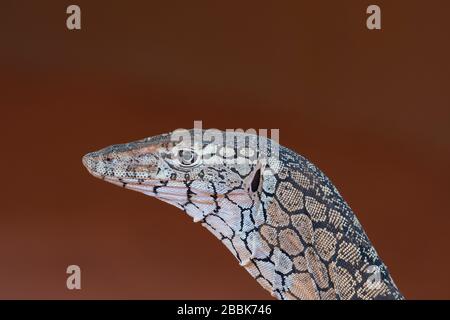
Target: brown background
(371, 108)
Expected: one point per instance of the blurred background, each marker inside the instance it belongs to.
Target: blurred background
(370, 108)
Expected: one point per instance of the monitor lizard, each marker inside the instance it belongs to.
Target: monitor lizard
(279, 215)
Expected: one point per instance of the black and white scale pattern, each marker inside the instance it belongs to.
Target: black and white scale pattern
(278, 214)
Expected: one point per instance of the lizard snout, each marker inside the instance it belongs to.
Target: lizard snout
(90, 161)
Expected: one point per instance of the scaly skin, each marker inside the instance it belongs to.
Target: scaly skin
(278, 214)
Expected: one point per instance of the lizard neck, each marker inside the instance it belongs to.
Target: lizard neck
(301, 240)
(318, 247)
(308, 244)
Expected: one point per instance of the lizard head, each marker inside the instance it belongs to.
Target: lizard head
(199, 171)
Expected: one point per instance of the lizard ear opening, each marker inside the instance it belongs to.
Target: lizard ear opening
(256, 180)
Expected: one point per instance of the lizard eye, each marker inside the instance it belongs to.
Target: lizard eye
(187, 157)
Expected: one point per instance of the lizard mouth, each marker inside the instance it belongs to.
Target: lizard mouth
(168, 190)
(144, 185)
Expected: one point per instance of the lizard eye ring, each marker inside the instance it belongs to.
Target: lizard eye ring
(187, 157)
